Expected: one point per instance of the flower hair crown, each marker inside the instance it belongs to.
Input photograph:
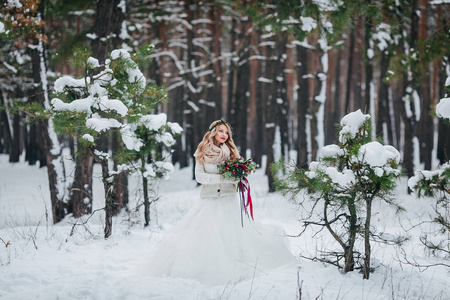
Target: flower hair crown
(221, 122)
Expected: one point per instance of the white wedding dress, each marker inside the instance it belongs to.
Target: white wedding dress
(210, 245)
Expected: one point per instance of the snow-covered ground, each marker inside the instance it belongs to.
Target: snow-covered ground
(63, 261)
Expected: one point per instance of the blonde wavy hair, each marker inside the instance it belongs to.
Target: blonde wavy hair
(208, 139)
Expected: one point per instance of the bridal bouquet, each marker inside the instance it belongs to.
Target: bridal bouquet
(239, 168)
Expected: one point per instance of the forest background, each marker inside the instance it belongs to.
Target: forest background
(281, 73)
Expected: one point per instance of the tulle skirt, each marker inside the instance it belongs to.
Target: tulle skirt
(210, 245)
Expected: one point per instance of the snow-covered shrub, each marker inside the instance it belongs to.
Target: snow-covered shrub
(437, 184)
(150, 156)
(113, 97)
(343, 183)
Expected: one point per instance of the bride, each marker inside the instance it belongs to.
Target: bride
(209, 244)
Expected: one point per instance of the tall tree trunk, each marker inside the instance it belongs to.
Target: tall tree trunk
(258, 136)
(49, 140)
(282, 100)
(254, 101)
(5, 128)
(332, 106)
(350, 75)
(32, 148)
(108, 21)
(409, 114)
(14, 152)
(384, 124)
(269, 90)
(443, 152)
(302, 106)
(424, 90)
(369, 90)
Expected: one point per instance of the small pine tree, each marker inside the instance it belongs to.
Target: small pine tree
(437, 184)
(114, 99)
(346, 180)
(150, 156)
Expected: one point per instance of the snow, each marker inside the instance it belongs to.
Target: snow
(129, 138)
(120, 53)
(80, 105)
(44, 261)
(443, 108)
(417, 103)
(8, 66)
(102, 124)
(68, 81)
(377, 155)
(436, 2)
(331, 151)
(343, 179)
(104, 103)
(175, 127)
(91, 36)
(93, 62)
(428, 175)
(383, 36)
(123, 6)
(155, 122)
(351, 123)
(88, 137)
(308, 24)
(165, 138)
(14, 3)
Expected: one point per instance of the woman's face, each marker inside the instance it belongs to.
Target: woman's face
(221, 135)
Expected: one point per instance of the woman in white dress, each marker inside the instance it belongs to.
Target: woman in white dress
(209, 244)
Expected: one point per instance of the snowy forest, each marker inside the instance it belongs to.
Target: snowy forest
(103, 104)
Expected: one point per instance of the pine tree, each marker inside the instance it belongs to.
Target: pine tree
(437, 184)
(115, 99)
(150, 158)
(346, 180)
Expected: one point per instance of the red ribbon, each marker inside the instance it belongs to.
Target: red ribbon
(249, 202)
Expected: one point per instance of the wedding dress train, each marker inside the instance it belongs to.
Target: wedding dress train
(210, 245)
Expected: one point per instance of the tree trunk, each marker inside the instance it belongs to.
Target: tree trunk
(121, 183)
(424, 90)
(80, 202)
(109, 17)
(269, 90)
(367, 251)
(281, 99)
(302, 106)
(348, 89)
(50, 143)
(14, 152)
(410, 84)
(384, 109)
(146, 199)
(369, 90)
(108, 186)
(443, 152)
(32, 148)
(5, 128)
(352, 231)
(255, 114)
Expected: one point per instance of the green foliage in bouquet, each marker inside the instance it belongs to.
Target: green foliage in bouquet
(237, 168)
